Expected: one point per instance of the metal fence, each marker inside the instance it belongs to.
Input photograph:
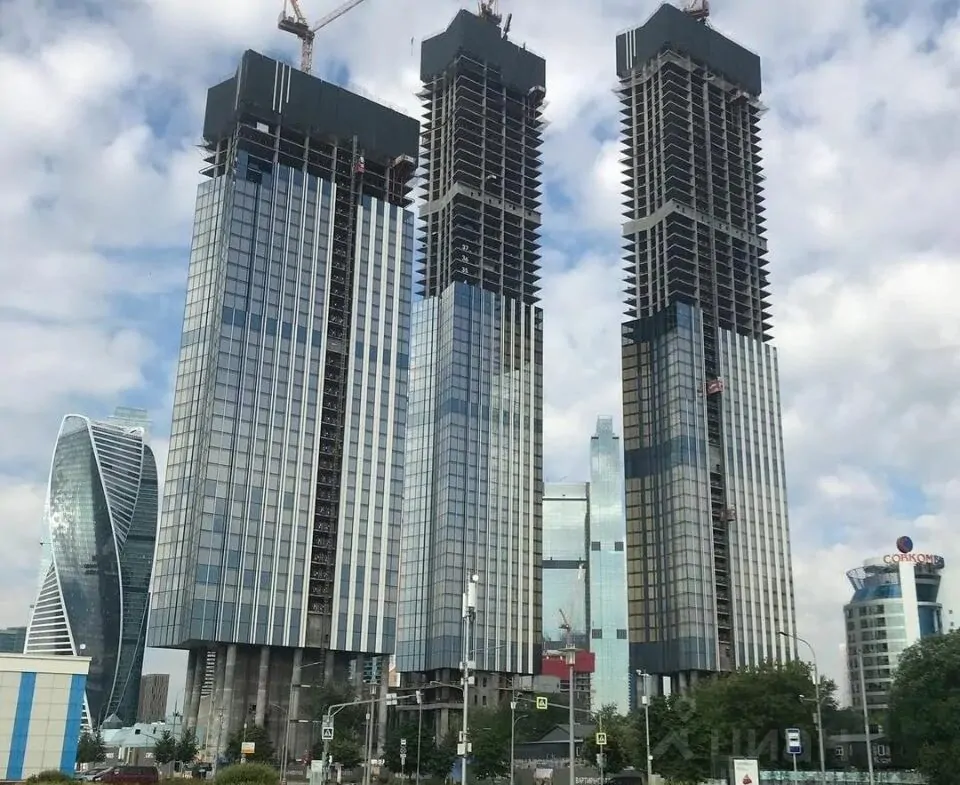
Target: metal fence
(850, 777)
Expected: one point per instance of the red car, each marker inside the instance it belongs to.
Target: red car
(129, 775)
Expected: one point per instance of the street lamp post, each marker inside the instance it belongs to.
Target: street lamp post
(571, 655)
(469, 611)
(645, 700)
(286, 742)
(816, 687)
(419, 729)
(513, 730)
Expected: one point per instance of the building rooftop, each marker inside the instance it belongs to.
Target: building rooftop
(671, 28)
(276, 93)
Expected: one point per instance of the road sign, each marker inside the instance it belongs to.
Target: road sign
(601, 739)
(541, 702)
(403, 759)
(403, 746)
(794, 742)
(326, 733)
(248, 747)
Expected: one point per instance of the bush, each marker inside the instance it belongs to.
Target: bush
(51, 775)
(248, 774)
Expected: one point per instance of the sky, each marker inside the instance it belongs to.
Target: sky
(102, 114)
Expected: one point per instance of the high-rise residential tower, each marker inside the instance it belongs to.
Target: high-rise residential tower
(101, 520)
(278, 555)
(473, 487)
(708, 547)
(608, 571)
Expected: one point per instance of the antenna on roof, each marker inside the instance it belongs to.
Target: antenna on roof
(698, 9)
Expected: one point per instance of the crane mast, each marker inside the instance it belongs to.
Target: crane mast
(296, 24)
(698, 9)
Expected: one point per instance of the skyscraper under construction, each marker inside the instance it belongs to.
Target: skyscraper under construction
(278, 554)
(473, 479)
(709, 570)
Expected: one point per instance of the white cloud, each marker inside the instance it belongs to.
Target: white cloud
(862, 169)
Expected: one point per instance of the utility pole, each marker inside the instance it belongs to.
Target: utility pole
(570, 655)
(645, 699)
(469, 613)
(866, 713)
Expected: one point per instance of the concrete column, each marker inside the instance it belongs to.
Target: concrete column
(298, 733)
(382, 714)
(229, 676)
(262, 677)
(215, 705)
(189, 721)
(196, 670)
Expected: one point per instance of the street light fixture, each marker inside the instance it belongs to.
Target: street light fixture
(816, 686)
(469, 613)
(645, 700)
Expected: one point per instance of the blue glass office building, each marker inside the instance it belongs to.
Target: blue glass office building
(101, 516)
(608, 571)
(280, 529)
(473, 487)
(894, 605)
(708, 541)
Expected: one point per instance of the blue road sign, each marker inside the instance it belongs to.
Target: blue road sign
(794, 742)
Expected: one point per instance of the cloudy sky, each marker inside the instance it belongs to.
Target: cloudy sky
(98, 134)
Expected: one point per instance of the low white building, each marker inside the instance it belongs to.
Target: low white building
(41, 711)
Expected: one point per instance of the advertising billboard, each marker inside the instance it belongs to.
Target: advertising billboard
(744, 771)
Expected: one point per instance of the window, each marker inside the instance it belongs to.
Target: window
(621, 635)
(595, 545)
(596, 634)
(618, 546)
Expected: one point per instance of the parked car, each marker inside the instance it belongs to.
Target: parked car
(129, 775)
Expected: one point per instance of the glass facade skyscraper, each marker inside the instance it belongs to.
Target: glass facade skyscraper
(894, 605)
(566, 528)
(280, 528)
(708, 546)
(101, 520)
(608, 571)
(473, 489)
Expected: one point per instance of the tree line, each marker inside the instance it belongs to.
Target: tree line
(745, 713)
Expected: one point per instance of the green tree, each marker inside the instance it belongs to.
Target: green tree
(439, 762)
(344, 749)
(91, 748)
(187, 746)
(924, 711)
(391, 751)
(750, 709)
(621, 737)
(490, 743)
(258, 735)
(165, 748)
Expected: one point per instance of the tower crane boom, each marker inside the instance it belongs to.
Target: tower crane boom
(296, 23)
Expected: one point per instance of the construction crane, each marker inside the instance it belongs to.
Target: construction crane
(698, 9)
(490, 10)
(297, 24)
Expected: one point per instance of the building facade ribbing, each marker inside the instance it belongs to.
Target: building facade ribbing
(279, 534)
(894, 605)
(709, 569)
(608, 571)
(101, 521)
(473, 490)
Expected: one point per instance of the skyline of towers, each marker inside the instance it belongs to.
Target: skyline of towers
(279, 533)
(101, 515)
(708, 548)
(281, 539)
(474, 474)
